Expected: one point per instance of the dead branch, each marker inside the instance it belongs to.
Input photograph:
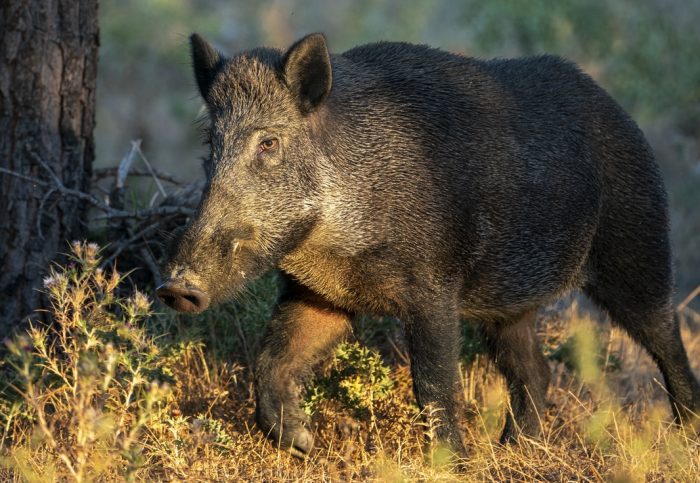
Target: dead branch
(101, 173)
(109, 212)
(128, 242)
(151, 264)
(133, 233)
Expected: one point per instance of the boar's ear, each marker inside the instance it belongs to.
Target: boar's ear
(307, 71)
(206, 62)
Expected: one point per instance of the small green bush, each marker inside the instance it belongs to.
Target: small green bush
(213, 432)
(357, 379)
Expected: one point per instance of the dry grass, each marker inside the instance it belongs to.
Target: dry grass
(64, 419)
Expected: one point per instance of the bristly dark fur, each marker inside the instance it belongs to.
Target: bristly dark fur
(412, 182)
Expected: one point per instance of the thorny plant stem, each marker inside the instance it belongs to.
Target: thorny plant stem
(33, 400)
(127, 401)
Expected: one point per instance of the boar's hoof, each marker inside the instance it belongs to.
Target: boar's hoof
(301, 443)
(294, 438)
(176, 295)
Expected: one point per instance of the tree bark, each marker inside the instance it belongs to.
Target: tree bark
(48, 66)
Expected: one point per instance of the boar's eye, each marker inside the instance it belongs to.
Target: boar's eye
(268, 152)
(268, 145)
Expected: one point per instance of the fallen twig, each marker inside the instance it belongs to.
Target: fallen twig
(688, 299)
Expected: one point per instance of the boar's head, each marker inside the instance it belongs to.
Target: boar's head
(262, 172)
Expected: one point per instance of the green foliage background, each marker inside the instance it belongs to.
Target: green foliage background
(643, 51)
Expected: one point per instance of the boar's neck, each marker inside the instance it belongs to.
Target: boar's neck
(382, 196)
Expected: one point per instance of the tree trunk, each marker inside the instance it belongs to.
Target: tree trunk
(48, 66)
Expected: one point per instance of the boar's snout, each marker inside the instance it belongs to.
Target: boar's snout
(175, 294)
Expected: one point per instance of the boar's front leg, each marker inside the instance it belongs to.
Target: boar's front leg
(303, 332)
(433, 337)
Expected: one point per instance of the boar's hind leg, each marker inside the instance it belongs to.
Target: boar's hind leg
(631, 276)
(302, 333)
(643, 311)
(515, 349)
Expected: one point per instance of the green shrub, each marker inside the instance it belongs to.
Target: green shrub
(213, 431)
(357, 379)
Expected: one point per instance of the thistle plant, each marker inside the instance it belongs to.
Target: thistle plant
(88, 379)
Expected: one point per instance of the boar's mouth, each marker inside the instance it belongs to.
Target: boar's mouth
(182, 298)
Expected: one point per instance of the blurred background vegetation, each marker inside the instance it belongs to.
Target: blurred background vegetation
(645, 52)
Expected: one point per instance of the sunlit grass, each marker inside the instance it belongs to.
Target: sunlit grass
(112, 392)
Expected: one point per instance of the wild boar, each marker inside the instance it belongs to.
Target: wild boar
(402, 180)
